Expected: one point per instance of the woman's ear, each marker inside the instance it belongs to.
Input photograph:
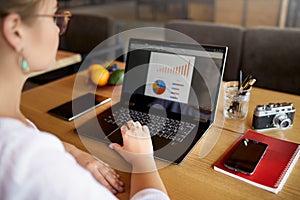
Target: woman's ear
(12, 31)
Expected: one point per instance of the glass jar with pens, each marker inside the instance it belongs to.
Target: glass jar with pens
(237, 97)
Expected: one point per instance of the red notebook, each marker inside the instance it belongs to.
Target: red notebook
(273, 169)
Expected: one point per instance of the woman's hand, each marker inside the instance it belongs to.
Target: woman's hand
(101, 171)
(137, 147)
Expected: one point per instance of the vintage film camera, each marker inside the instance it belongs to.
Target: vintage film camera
(273, 115)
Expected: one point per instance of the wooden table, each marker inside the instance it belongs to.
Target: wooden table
(195, 177)
(63, 59)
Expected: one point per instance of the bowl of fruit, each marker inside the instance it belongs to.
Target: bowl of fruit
(111, 75)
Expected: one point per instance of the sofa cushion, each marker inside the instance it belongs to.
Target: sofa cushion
(272, 56)
(85, 32)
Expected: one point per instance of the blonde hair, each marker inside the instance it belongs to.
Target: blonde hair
(24, 8)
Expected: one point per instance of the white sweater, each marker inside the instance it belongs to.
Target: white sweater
(36, 166)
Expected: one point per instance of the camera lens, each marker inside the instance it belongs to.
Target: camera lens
(282, 121)
(285, 124)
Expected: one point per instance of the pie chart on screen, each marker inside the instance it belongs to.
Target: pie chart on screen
(159, 87)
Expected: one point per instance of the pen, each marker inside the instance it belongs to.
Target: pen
(241, 78)
(247, 78)
(240, 82)
(248, 85)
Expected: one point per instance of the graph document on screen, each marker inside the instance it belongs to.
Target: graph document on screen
(169, 76)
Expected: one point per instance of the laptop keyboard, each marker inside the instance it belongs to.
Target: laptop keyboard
(163, 127)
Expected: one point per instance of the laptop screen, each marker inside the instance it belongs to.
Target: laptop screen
(179, 79)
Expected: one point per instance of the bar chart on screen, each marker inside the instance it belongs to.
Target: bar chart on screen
(169, 76)
(183, 70)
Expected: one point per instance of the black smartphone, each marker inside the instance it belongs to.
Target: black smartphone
(79, 106)
(246, 156)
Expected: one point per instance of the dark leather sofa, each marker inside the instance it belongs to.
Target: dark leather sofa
(270, 54)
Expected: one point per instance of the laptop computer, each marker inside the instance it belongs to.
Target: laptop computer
(171, 87)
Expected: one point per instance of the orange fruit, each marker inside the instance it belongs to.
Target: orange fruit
(94, 67)
(99, 75)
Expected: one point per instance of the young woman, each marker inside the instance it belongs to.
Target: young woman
(35, 164)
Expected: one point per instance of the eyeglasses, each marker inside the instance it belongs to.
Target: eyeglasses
(61, 20)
